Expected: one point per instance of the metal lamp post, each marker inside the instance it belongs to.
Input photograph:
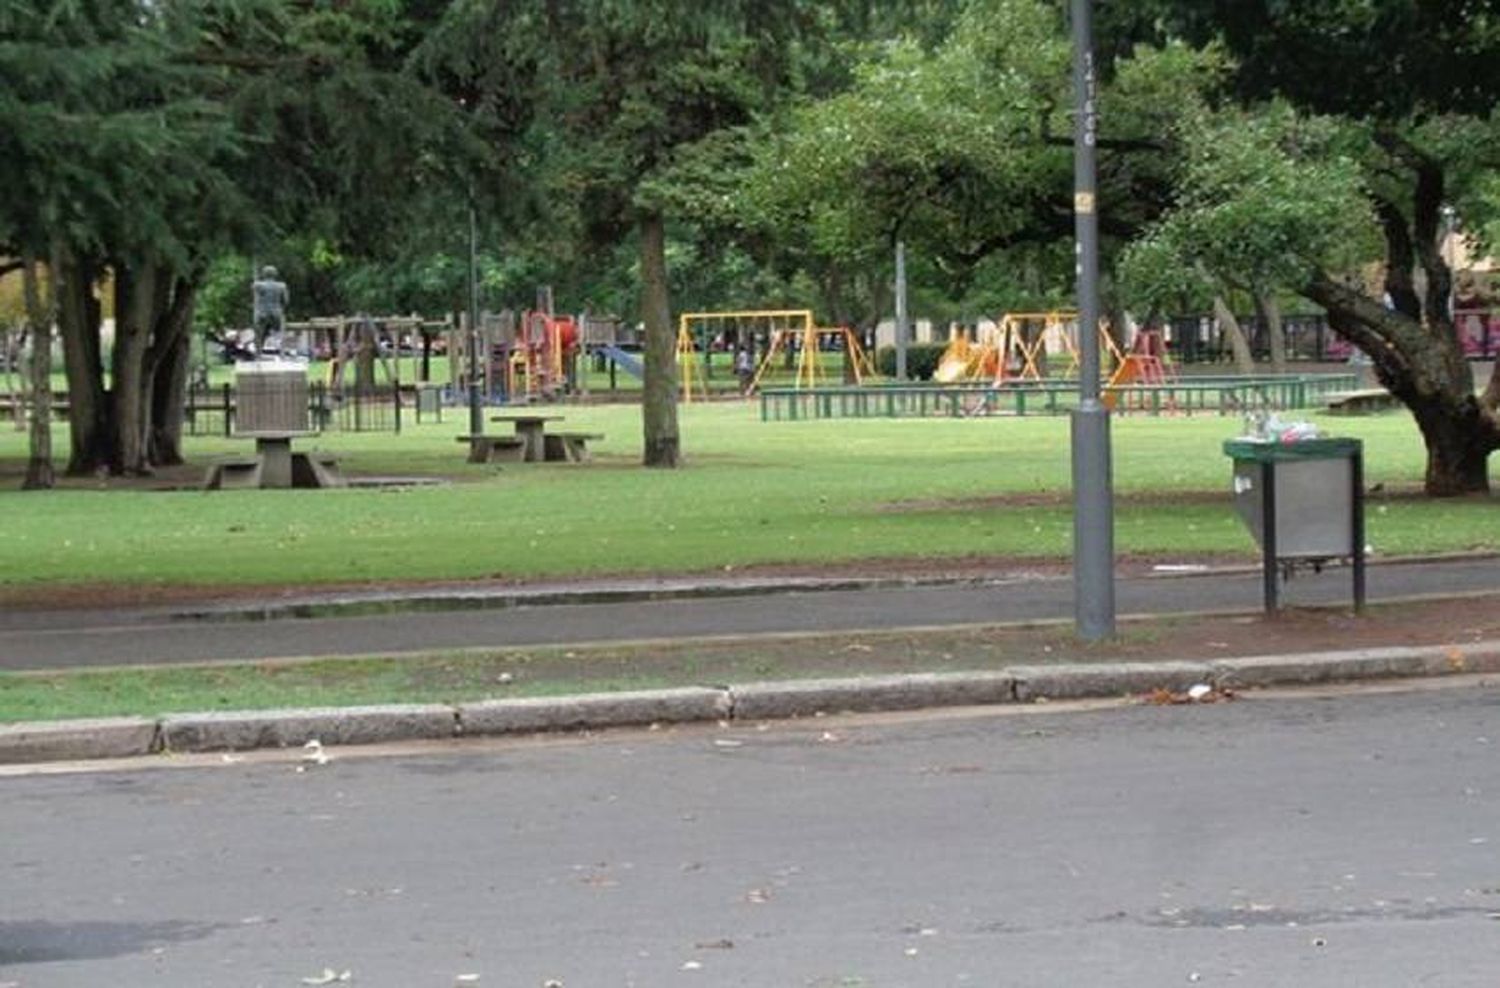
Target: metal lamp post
(901, 314)
(1093, 507)
(476, 410)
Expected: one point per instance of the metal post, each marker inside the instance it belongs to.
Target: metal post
(1093, 507)
(900, 333)
(476, 412)
(1269, 549)
(1357, 525)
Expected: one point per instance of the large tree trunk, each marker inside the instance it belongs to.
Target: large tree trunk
(659, 390)
(169, 360)
(1425, 368)
(834, 305)
(78, 317)
(1269, 309)
(40, 313)
(1244, 361)
(138, 297)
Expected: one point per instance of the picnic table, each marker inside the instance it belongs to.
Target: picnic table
(532, 429)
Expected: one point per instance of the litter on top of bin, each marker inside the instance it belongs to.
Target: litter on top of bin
(1261, 427)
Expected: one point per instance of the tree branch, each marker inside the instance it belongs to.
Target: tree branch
(1111, 143)
(1399, 258)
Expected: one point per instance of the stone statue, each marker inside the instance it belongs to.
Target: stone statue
(271, 298)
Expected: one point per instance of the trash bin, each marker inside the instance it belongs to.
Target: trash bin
(271, 396)
(1304, 503)
(429, 402)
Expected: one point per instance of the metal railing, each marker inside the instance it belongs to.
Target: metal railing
(210, 410)
(1219, 395)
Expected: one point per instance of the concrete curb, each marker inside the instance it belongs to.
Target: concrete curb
(123, 737)
(805, 698)
(241, 730)
(1077, 681)
(592, 710)
(77, 740)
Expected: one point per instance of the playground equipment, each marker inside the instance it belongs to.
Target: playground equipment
(688, 369)
(1147, 363)
(532, 354)
(1013, 349)
(543, 360)
(790, 334)
(1072, 343)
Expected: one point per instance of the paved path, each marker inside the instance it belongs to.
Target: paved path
(53, 640)
(1351, 840)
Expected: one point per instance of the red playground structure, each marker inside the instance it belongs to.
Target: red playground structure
(1145, 364)
(543, 360)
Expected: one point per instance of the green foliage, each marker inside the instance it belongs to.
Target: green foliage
(109, 142)
(1380, 59)
(921, 360)
(1265, 199)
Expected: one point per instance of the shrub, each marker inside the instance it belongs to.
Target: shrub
(921, 360)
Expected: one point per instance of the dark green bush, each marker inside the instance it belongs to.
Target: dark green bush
(921, 360)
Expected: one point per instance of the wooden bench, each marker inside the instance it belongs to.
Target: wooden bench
(495, 449)
(569, 447)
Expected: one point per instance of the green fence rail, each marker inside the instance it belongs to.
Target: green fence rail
(1218, 395)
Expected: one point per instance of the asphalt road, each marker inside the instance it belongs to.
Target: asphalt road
(60, 640)
(1351, 839)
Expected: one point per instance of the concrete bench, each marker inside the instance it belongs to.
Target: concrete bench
(495, 449)
(306, 470)
(234, 473)
(1362, 402)
(569, 447)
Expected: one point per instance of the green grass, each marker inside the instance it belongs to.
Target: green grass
(470, 674)
(750, 493)
(458, 676)
(451, 677)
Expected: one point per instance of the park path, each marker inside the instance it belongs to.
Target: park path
(48, 640)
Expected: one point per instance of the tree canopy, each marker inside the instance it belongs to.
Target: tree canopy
(633, 151)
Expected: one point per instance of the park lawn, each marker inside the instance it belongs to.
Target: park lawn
(752, 493)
